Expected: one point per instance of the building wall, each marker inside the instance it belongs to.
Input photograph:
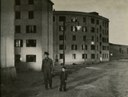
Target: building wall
(98, 33)
(118, 51)
(43, 36)
(7, 38)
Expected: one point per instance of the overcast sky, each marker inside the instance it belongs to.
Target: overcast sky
(115, 10)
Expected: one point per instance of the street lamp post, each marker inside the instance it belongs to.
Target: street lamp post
(64, 29)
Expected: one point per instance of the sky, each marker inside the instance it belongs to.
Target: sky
(115, 10)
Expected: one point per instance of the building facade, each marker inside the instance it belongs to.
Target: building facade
(88, 44)
(118, 51)
(7, 39)
(33, 32)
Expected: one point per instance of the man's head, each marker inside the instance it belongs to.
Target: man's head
(46, 54)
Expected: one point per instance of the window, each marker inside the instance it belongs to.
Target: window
(61, 56)
(61, 28)
(92, 47)
(74, 56)
(17, 29)
(17, 58)
(92, 56)
(120, 50)
(92, 29)
(84, 38)
(84, 29)
(18, 43)
(30, 2)
(74, 37)
(97, 22)
(92, 20)
(17, 2)
(31, 43)
(17, 15)
(84, 19)
(31, 29)
(84, 56)
(61, 47)
(73, 28)
(92, 38)
(30, 58)
(74, 19)
(30, 14)
(61, 37)
(84, 47)
(74, 47)
(53, 18)
(62, 18)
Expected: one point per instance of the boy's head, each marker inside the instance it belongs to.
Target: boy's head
(63, 68)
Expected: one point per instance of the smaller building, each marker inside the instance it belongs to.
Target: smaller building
(118, 51)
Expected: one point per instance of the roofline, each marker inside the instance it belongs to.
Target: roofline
(79, 12)
(51, 2)
(118, 44)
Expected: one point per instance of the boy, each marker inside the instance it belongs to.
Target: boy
(63, 79)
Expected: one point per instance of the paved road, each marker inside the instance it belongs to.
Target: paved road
(100, 80)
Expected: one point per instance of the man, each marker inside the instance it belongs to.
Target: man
(47, 68)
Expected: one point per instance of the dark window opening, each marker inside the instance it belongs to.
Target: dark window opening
(61, 56)
(92, 56)
(92, 20)
(17, 29)
(30, 14)
(30, 58)
(92, 47)
(31, 43)
(84, 56)
(17, 15)
(30, 2)
(74, 37)
(31, 29)
(62, 18)
(53, 18)
(74, 47)
(61, 47)
(92, 29)
(97, 22)
(18, 43)
(84, 19)
(61, 37)
(17, 2)
(84, 38)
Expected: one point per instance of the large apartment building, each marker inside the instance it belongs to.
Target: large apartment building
(33, 32)
(88, 44)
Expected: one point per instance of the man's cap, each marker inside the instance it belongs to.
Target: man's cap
(46, 53)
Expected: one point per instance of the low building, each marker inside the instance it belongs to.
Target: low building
(88, 44)
(118, 51)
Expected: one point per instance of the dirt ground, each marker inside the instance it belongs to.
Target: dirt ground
(99, 80)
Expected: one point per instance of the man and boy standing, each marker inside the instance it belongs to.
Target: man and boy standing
(47, 69)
